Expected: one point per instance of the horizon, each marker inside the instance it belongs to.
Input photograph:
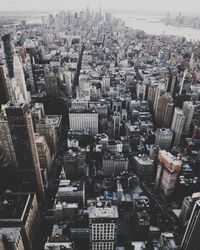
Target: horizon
(111, 5)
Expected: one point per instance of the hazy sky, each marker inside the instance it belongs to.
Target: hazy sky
(172, 5)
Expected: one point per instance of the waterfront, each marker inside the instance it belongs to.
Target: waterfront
(148, 22)
(151, 24)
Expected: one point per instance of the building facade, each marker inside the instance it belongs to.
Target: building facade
(177, 125)
(103, 223)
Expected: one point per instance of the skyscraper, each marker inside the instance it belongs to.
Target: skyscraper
(188, 111)
(4, 94)
(191, 239)
(187, 207)
(6, 142)
(177, 125)
(167, 172)
(160, 90)
(51, 80)
(116, 125)
(163, 138)
(23, 138)
(164, 111)
(29, 68)
(20, 78)
(8, 54)
(46, 129)
(44, 154)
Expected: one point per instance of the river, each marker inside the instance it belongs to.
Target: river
(151, 24)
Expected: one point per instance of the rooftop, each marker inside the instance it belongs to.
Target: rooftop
(66, 186)
(14, 207)
(102, 209)
(164, 131)
(171, 162)
(143, 160)
(12, 233)
(82, 110)
(58, 246)
(55, 120)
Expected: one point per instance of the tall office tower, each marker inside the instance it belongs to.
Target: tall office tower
(68, 83)
(23, 138)
(116, 125)
(81, 119)
(191, 239)
(4, 93)
(167, 172)
(29, 68)
(141, 91)
(51, 80)
(103, 223)
(151, 94)
(38, 114)
(160, 90)
(163, 138)
(8, 54)
(188, 111)
(187, 207)
(177, 125)
(45, 128)
(14, 90)
(20, 78)
(192, 62)
(6, 142)
(172, 81)
(164, 111)
(44, 154)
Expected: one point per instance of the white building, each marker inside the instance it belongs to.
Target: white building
(20, 78)
(82, 120)
(188, 111)
(103, 221)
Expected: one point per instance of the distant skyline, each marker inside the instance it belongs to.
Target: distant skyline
(146, 5)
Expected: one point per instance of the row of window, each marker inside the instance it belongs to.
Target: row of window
(102, 246)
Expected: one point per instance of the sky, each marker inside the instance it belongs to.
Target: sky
(49, 5)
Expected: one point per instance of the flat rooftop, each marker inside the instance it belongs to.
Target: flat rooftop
(55, 120)
(102, 209)
(58, 245)
(12, 233)
(171, 162)
(143, 160)
(14, 207)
